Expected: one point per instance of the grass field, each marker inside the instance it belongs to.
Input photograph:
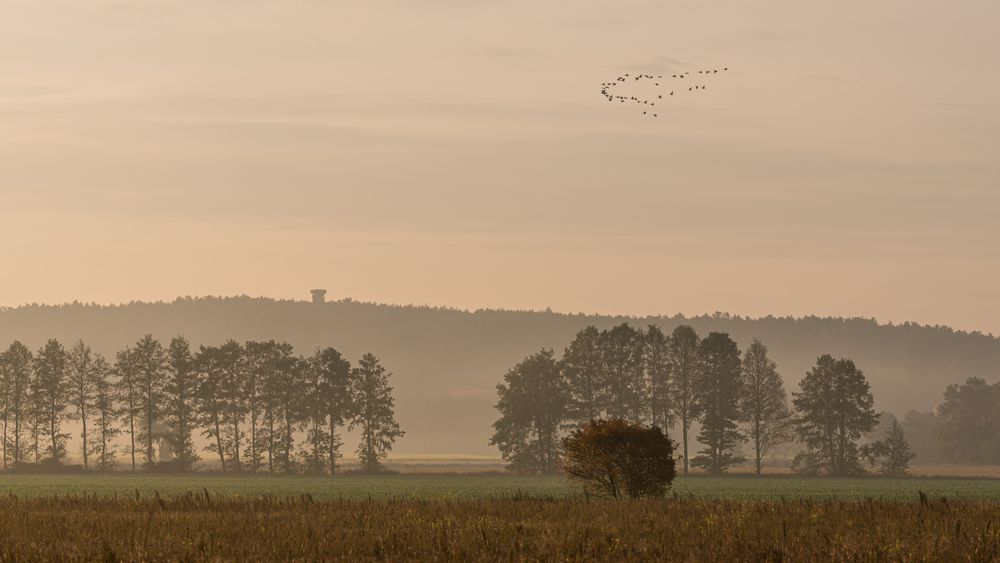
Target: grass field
(482, 486)
(197, 527)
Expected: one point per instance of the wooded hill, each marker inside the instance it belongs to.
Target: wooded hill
(446, 362)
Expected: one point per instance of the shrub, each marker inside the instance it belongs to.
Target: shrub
(616, 458)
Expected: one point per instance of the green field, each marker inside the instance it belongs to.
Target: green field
(443, 486)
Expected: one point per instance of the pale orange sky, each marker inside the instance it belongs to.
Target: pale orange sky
(458, 152)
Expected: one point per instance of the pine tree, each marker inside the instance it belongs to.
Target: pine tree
(105, 408)
(52, 396)
(763, 403)
(892, 455)
(682, 355)
(81, 390)
(180, 390)
(716, 398)
(533, 402)
(375, 412)
(835, 408)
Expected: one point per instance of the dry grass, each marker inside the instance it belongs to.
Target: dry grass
(200, 527)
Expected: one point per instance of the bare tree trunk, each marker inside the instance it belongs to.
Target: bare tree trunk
(83, 417)
(684, 429)
(270, 442)
(253, 439)
(236, 444)
(333, 447)
(218, 441)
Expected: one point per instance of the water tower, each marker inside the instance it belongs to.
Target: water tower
(318, 296)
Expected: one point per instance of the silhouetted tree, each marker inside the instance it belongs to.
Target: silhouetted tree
(180, 392)
(16, 370)
(891, 455)
(717, 390)
(217, 385)
(150, 361)
(256, 361)
(17, 362)
(969, 422)
(622, 354)
(835, 408)
(105, 409)
(281, 402)
(375, 413)
(658, 372)
(50, 376)
(128, 389)
(329, 403)
(619, 459)
(682, 355)
(582, 366)
(81, 383)
(286, 386)
(763, 403)
(533, 403)
(5, 396)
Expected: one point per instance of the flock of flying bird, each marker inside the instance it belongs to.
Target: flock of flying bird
(608, 88)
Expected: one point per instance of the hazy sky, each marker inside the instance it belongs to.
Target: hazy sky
(458, 152)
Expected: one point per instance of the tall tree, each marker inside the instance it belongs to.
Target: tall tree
(129, 390)
(660, 384)
(582, 366)
(622, 353)
(968, 429)
(81, 384)
(257, 360)
(50, 376)
(150, 362)
(717, 391)
(282, 396)
(105, 408)
(682, 355)
(533, 403)
(18, 368)
(328, 404)
(180, 390)
(5, 400)
(218, 367)
(835, 408)
(289, 389)
(763, 403)
(375, 412)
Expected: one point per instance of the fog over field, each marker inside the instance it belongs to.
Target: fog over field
(446, 363)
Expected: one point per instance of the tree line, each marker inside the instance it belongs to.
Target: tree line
(256, 406)
(672, 381)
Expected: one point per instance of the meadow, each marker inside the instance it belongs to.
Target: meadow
(487, 486)
(197, 526)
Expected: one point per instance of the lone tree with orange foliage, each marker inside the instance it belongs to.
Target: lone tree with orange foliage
(619, 459)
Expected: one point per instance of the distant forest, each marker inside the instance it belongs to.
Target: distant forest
(447, 362)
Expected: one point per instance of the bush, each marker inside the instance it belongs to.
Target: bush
(616, 458)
